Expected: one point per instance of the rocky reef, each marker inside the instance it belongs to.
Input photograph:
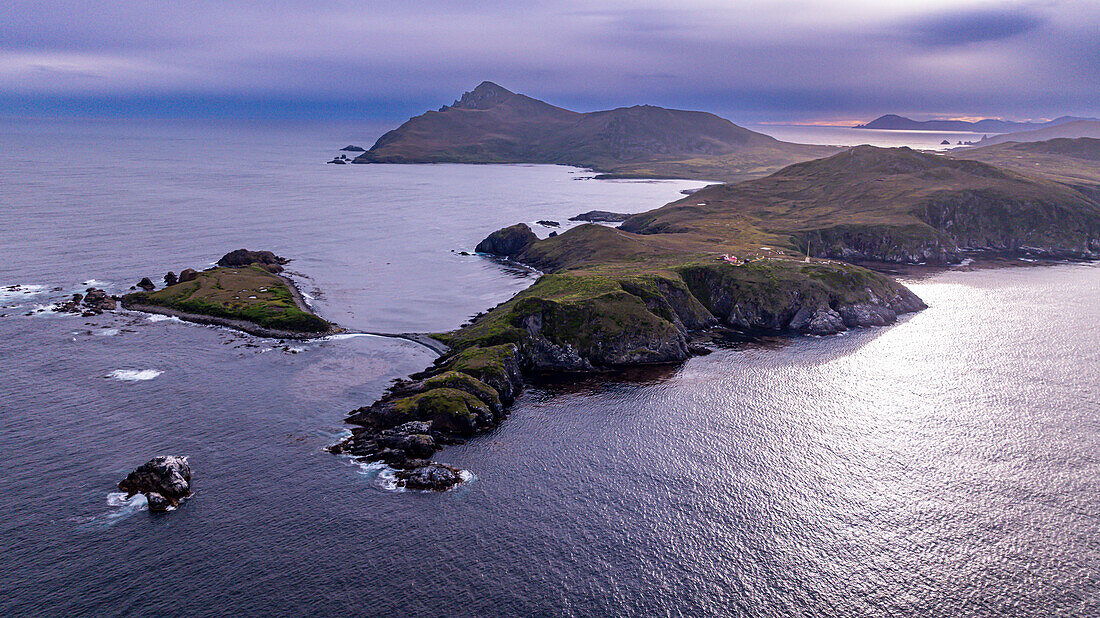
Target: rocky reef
(94, 301)
(165, 481)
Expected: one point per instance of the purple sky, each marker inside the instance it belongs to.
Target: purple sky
(783, 60)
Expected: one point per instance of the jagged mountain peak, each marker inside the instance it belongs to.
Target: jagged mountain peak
(487, 95)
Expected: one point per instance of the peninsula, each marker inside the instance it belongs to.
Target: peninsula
(491, 124)
(731, 256)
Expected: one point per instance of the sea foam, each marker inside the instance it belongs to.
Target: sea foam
(134, 375)
(20, 292)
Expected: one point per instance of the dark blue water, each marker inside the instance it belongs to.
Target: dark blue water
(949, 465)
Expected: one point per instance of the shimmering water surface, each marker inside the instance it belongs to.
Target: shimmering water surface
(946, 466)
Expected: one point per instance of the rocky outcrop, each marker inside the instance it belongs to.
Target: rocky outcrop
(94, 301)
(508, 242)
(243, 257)
(165, 481)
(146, 284)
(602, 216)
(431, 476)
(462, 395)
(188, 274)
(170, 279)
(548, 223)
(353, 148)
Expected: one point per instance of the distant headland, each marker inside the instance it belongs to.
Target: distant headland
(492, 124)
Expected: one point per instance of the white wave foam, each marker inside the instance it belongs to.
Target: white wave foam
(134, 375)
(378, 474)
(343, 336)
(156, 317)
(119, 499)
(107, 332)
(91, 283)
(296, 349)
(384, 477)
(20, 292)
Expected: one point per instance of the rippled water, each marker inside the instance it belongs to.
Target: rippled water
(949, 465)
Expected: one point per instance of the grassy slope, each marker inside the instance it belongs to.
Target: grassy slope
(1071, 161)
(886, 193)
(251, 294)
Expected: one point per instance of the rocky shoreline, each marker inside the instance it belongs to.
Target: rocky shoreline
(241, 325)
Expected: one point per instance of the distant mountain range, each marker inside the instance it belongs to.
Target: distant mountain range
(987, 125)
(492, 124)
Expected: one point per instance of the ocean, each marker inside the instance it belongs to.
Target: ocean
(947, 465)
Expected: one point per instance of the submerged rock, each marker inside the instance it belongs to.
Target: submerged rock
(548, 223)
(165, 480)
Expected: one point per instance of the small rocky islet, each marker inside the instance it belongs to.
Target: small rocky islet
(163, 480)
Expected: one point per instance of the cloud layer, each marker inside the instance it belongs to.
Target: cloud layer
(774, 60)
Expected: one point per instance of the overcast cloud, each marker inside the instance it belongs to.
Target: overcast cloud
(750, 61)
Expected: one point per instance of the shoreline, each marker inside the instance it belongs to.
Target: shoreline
(240, 325)
(974, 261)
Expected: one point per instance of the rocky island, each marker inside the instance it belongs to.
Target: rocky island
(164, 480)
(244, 291)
